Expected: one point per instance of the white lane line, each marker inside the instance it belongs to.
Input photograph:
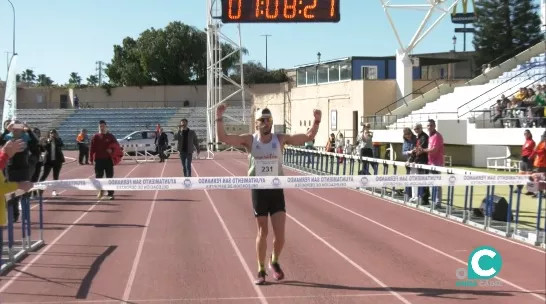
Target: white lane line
(338, 252)
(136, 260)
(50, 245)
(234, 245)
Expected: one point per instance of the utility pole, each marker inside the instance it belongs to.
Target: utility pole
(99, 70)
(13, 9)
(266, 36)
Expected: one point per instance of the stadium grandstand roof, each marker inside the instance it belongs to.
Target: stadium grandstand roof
(425, 58)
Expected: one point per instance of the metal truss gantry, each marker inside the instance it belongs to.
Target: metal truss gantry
(404, 75)
(216, 75)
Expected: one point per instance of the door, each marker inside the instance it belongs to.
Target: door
(64, 101)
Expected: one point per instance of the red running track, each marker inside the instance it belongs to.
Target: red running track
(198, 246)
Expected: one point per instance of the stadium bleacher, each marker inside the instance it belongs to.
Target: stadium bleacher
(465, 99)
(122, 121)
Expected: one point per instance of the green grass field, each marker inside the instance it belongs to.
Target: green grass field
(528, 205)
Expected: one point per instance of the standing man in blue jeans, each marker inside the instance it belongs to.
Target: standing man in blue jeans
(187, 142)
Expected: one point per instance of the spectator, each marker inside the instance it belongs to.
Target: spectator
(526, 165)
(8, 150)
(41, 150)
(340, 144)
(366, 147)
(435, 152)
(101, 154)
(83, 147)
(35, 153)
(539, 155)
(18, 168)
(310, 145)
(422, 158)
(187, 142)
(54, 157)
(348, 148)
(331, 144)
(162, 143)
(499, 111)
(408, 152)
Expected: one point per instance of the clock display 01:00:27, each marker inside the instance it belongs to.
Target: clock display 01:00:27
(254, 11)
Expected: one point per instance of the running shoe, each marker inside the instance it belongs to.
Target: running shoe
(260, 279)
(278, 274)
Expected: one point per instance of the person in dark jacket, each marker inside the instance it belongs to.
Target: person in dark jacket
(35, 176)
(187, 143)
(18, 167)
(422, 158)
(54, 157)
(162, 143)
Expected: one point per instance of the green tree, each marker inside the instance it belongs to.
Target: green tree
(75, 80)
(525, 23)
(175, 55)
(255, 73)
(28, 76)
(504, 28)
(93, 81)
(44, 81)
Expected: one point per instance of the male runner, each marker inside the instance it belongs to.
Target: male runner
(265, 159)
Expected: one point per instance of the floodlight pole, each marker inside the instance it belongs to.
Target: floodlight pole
(216, 75)
(404, 66)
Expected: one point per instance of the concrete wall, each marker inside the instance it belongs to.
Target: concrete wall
(125, 97)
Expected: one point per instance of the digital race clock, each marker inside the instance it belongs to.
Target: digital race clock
(273, 11)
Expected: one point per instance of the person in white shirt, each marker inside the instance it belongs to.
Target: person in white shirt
(265, 159)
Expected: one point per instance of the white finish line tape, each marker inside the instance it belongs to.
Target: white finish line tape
(282, 182)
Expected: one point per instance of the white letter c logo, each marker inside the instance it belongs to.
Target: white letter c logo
(476, 263)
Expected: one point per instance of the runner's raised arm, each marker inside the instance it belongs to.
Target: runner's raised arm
(230, 139)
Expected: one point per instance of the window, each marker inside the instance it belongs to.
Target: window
(369, 72)
(150, 135)
(312, 75)
(345, 70)
(136, 136)
(322, 74)
(333, 72)
(301, 77)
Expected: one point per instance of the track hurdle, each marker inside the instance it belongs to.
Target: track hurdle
(16, 246)
(139, 153)
(487, 214)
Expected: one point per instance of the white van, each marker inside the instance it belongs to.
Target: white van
(144, 137)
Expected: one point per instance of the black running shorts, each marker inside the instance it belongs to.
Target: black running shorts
(267, 201)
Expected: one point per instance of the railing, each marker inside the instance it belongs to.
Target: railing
(24, 237)
(495, 62)
(392, 121)
(414, 92)
(498, 95)
(514, 214)
(492, 89)
(411, 119)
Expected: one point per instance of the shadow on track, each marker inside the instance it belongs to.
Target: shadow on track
(418, 291)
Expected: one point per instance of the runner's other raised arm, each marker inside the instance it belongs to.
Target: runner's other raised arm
(230, 139)
(302, 138)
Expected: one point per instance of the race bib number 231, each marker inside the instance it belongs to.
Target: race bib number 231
(267, 168)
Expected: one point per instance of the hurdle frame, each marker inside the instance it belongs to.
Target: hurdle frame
(17, 250)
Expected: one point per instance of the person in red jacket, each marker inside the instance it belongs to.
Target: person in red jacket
(103, 146)
(526, 164)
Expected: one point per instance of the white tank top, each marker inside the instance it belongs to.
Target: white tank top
(265, 159)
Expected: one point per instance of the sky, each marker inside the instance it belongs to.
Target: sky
(57, 37)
